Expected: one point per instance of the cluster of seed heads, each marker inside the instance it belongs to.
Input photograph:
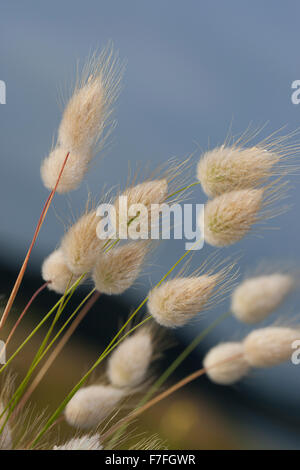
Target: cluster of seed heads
(240, 183)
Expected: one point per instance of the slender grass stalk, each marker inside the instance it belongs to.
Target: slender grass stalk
(58, 349)
(39, 326)
(28, 305)
(182, 189)
(58, 411)
(60, 310)
(185, 353)
(175, 364)
(109, 348)
(26, 260)
(195, 375)
(16, 396)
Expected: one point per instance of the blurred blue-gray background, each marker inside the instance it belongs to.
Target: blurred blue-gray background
(194, 70)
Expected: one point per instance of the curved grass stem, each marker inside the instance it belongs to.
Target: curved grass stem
(108, 349)
(26, 260)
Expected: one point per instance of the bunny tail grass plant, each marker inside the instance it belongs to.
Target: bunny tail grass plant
(244, 184)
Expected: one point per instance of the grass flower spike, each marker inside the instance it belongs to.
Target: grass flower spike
(128, 364)
(82, 131)
(255, 298)
(177, 301)
(225, 364)
(229, 217)
(226, 169)
(74, 171)
(91, 405)
(270, 346)
(81, 245)
(56, 272)
(118, 269)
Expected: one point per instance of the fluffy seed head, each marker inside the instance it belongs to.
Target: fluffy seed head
(177, 301)
(225, 363)
(72, 175)
(146, 193)
(81, 245)
(85, 123)
(255, 298)
(83, 118)
(90, 405)
(226, 169)
(128, 364)
(55, 270)
(5, 436)
(118, 269)
(270, 346)
(82, 443)
(228, 217)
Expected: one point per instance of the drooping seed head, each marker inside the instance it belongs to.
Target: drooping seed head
(86, 122)
(56, 272)
(255, 298)
(117, 270)
(128, 364)
(81, 245)
(81, 443)
(177, 301)
(229, 217)
(225, 364)
(226, 169)
(72, 175)
(91, 405)
(270, 346)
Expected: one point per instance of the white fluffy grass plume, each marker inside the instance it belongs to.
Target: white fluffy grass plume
(91, 405)
(129, 363)
(175, 302)
(56, 272)
(83, 128)
(270, 346)
(81, 245)
(237, 165)
(229, 217)
(225, 363)
(226, 169)
(116, 270)
(255, 298)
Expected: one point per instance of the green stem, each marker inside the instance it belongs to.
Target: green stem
(61, 407)
(14, 400)
(60, 309)
(182, 189)
(39, 326)
(185, 353)
(175, 364)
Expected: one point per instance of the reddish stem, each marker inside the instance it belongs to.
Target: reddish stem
(25, 310)
(65, 338)
(25, 262)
